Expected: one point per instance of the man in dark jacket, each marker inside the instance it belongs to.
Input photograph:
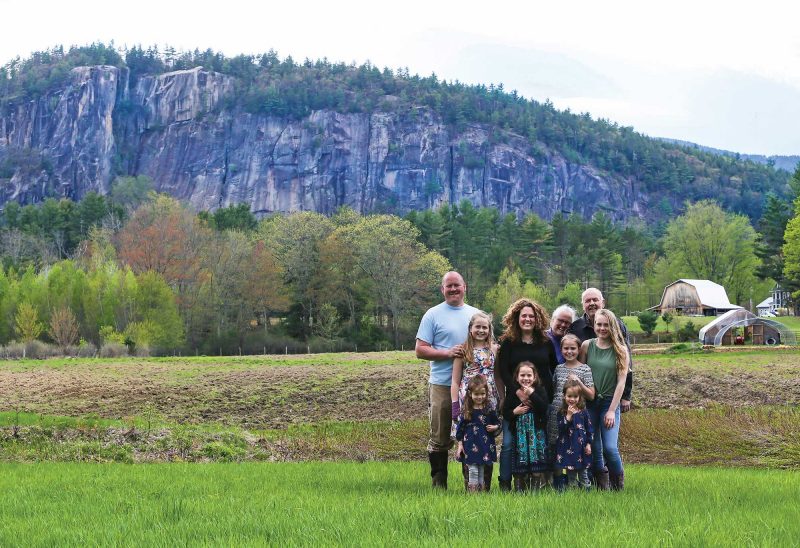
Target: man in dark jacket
(583, 328)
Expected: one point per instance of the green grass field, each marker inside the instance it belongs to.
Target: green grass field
(373, 504)
(329, 449)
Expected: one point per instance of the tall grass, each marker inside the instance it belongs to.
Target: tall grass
(382, 503)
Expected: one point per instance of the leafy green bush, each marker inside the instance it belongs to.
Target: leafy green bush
(647, 321)
(688, 332)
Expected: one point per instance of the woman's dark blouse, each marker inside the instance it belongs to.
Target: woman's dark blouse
(541, 354)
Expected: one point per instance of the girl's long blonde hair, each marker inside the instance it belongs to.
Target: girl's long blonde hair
(469, 344)
(617, 340)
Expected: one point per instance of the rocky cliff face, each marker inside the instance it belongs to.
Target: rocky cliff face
(184, 130)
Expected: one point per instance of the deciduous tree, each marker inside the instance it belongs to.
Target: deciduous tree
(709, 243)
(63, 327)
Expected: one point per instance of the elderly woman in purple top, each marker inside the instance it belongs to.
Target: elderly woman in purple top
(562, 319)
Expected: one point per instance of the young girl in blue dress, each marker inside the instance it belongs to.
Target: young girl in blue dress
(475, 433)
(574, 442)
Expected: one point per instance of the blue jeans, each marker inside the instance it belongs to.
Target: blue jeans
(605, 448)
(506, 452)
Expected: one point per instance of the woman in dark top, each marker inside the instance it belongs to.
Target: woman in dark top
(524, 339)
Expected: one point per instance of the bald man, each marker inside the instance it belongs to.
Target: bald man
(441, 333)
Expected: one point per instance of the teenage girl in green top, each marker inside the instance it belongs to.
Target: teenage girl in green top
(607, 357)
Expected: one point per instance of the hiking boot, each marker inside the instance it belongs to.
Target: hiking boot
(438, 461)
(601, 479)
(617, 481)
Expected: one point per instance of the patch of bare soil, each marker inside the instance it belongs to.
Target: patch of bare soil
(276, 396)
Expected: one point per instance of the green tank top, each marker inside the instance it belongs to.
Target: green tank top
(603, 363)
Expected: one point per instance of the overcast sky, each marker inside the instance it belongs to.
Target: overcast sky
(722, 74)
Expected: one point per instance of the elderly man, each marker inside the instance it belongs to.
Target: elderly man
(583, 327)
(562, 319)
(441, 333)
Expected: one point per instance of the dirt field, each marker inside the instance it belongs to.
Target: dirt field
(725, 408)
(272, 392)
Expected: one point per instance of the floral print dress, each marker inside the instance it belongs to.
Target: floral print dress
(573, 437)
(482, 364)
(479, 447)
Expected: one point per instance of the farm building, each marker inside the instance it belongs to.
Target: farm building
(694, 298)
(771, 305)
(766, 308)
(743, 323)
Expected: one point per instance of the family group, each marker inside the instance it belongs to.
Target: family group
(553, 388)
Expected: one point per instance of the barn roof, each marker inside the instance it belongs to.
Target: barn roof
(711, 294)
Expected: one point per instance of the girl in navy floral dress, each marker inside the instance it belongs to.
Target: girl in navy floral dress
(475, 432)
(574, 442)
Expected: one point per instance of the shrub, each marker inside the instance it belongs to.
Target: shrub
(141, 350)
(37, 350)
(685, 348)
(688, 332)
(86, 350)
(14, 351)
(113, 350)
(110, 335)
(647, 321)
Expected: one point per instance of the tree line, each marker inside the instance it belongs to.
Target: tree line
(141, 269)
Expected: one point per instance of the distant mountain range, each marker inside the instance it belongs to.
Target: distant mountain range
(285, 136)
(786, 163)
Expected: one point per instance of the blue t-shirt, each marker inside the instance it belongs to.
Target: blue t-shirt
(445, 326)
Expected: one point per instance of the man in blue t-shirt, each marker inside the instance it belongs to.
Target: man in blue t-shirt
(441, 333)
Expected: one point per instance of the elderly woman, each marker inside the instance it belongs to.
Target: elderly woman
(563, 316)
(524, 339)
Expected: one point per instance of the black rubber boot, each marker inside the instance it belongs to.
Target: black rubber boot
(487, 477)
(505, 486)
(438, 462)
(601, 479)
(560, 480)
(617, 482)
